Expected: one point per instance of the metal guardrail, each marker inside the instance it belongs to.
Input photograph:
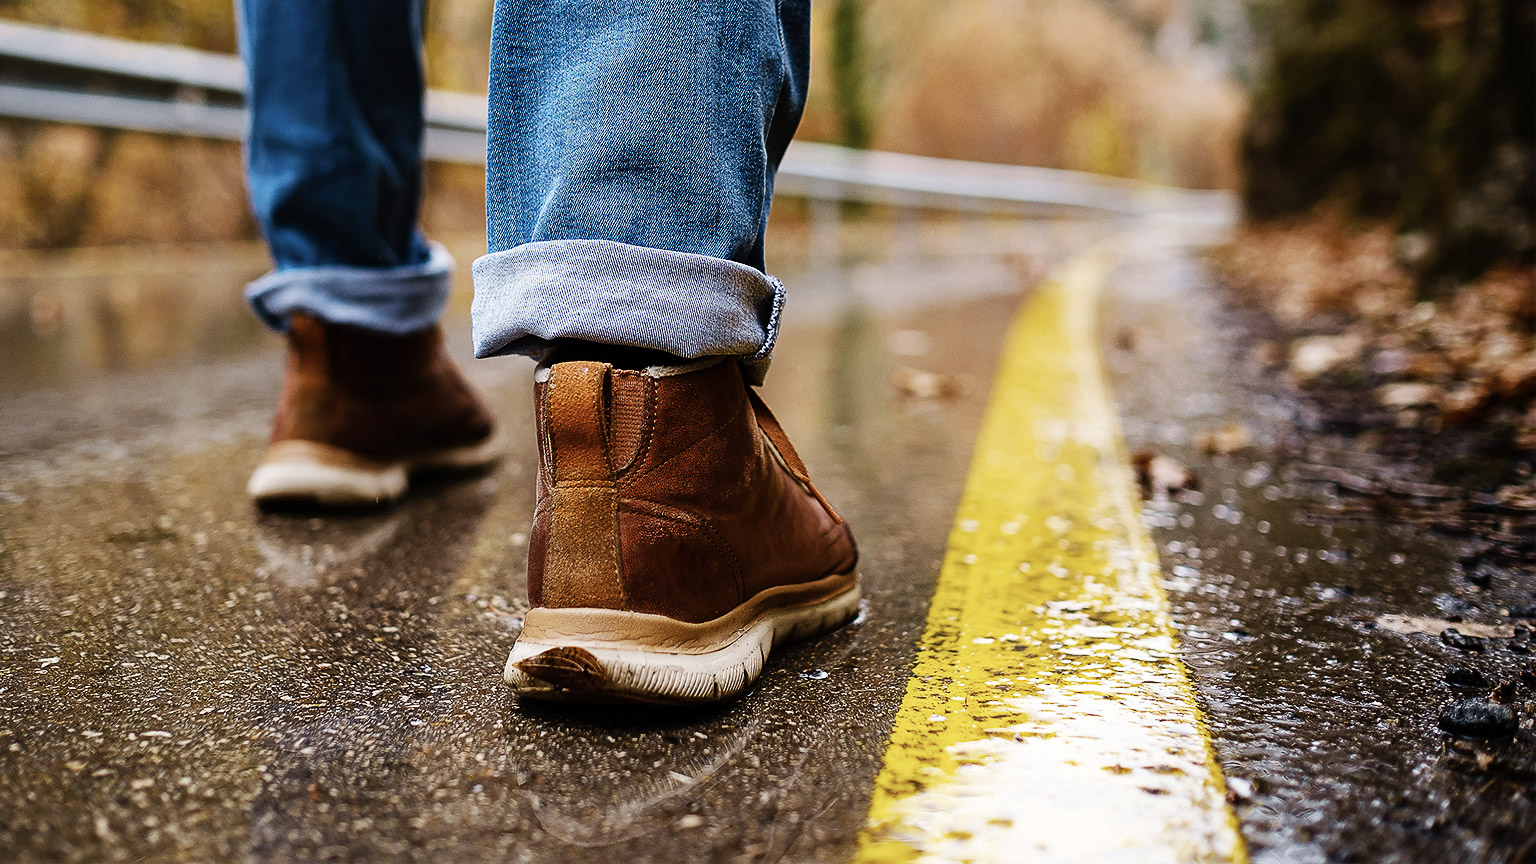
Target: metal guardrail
(70, 77)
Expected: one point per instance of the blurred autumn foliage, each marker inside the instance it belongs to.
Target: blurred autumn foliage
(1133, 89)
(205, 24)
(1421, 113)
(1084, 84)
(1391, 189)
(68, 186)
(1443, 391)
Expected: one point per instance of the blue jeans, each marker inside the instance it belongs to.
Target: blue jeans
(631, 155)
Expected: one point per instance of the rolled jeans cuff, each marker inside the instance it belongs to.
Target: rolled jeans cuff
(618, 294)
(387, 299)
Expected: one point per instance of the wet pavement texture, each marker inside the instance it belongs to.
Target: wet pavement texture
(185, 678)
(1315, 631)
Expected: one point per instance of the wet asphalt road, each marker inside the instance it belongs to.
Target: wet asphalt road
(1326, 722)
(184, 678)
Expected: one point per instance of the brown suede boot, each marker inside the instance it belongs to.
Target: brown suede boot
(676, 541)
(361, 410)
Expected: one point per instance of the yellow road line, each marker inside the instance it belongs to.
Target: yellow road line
(1048, 717)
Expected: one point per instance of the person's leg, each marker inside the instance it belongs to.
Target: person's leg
(334, 162)
(631, 160)
(677, 538)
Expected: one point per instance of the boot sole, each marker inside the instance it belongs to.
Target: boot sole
(605, 655)
(311, 473)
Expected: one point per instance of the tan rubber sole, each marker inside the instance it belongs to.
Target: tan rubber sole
(308, 472)
(605, 655)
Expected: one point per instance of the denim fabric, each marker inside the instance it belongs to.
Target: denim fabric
(333, 161)
(656, 125)
(631, 158)
(391, 299)
(602, 291)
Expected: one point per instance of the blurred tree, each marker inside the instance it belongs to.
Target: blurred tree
(1422, 112)
(849, 66)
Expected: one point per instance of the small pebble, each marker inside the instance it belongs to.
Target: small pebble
(1460, 641)
(1478, 718)
(1450, 604)
(1505, 693)
(1483, 574)
(1461, 676)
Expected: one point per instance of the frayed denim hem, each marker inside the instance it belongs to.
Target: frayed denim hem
(387, 299)
(618, 294)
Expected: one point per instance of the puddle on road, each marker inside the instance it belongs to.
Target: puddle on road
(69, 315)
(65, 316)
(1326, 724)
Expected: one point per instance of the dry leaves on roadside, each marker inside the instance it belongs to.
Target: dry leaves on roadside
(1436, 626)
(1446, 386)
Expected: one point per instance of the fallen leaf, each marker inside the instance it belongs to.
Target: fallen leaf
(1436, 626)
(1430, 367)
(1228, 439)
(925, 385)
(1315, 356)
(1161, 475)
(1407, 394)
(1466, 403)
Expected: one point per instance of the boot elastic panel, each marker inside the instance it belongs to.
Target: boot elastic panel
(541, 372)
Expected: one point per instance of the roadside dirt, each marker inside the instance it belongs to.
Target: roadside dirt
(1437, 398)
(1369, 701)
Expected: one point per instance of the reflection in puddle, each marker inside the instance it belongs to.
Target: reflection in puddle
(66, 315)
(77, 314)
(361, 597)
(645, 775)
(301, 559)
